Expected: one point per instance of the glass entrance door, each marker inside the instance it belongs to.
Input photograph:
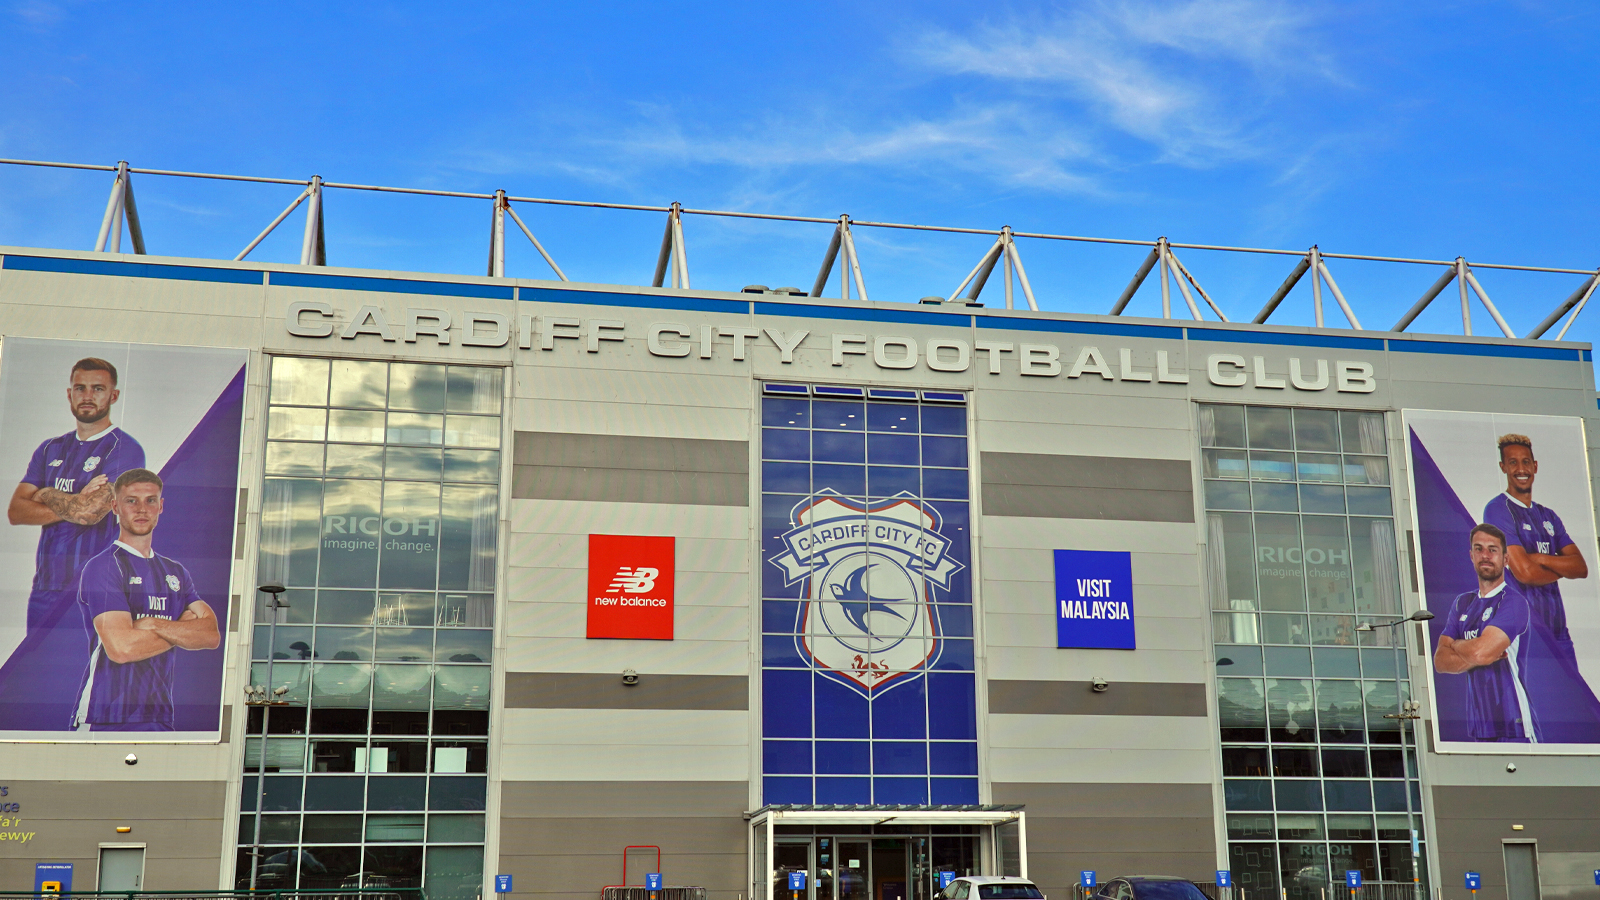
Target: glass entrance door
(889, 869)
(792, 856)
(855, 867)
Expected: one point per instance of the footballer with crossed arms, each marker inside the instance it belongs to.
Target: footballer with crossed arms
(139, 607)
(1486, 638)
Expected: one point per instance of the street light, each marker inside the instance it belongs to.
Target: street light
(1408, 711)
(266, 698)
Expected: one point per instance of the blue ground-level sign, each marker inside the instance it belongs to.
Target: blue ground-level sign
(57, 874)
(502, 884)
(797, 881)
(945, 878)
(1094, 599)
(1224, 878)
(1352, 878)
(1475, 881)
(652, 881)
(1086, 877)
(1597, 876)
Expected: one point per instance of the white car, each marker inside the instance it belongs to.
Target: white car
(990, 887)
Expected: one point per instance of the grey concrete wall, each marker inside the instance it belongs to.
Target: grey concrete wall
(1474, 820)
(177, 821)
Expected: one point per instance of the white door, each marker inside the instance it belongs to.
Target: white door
(121, 868)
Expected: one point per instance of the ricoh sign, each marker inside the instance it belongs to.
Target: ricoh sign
(718, 343)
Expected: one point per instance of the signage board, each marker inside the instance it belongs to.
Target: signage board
(502, 884)
(797, 881)
(1224, 878)
(1352, 878)
(1475, 881)
(631, 586)
(1086, 877)
(945, 878)
(1094, 599)
(52, 878)
(652, 881)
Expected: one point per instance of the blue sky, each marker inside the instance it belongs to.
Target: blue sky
(1430, 129)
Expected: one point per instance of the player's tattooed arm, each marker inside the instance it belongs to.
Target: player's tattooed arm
(196, 629)
(24, 509)
(86, 507)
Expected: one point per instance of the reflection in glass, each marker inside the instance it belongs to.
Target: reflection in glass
(454, 873)
(459, 645)
(1269, 428)
(359, 384)
(292, 423)
(299, 382)
(1225, 464)
(481, 466)
(344, 644)
(455, 829)
(1265, 466)
(415, 428)
(1221, 426)
(405, 644)
(411, 535)
(294, 459)
(294, 676)
(411, 609)
(474, 389)
(1289, 711)
(1280, 562)
(471, 520)
(351, 531)
(418, 387)
(1339, 712)
(1230, 562)
(355, 426)
(401, 687)
(1319, 467)
(413, 464)
(290, 530)
(466, 611)
(341, 685)
(344, 607)
(1327, 558)
(472, 431)
(1241, 710)
(462, 687)
(395, 828)
(283, 754)
(355, 461)
(1316, 429)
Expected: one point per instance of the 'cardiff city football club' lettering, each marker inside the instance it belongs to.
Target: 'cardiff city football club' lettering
(1094, 599)
(868, 620)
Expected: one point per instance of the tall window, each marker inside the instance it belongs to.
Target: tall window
(867, 653)
(1301, 552)
(379, 513)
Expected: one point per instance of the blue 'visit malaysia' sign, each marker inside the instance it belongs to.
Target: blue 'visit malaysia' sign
(1094, 599)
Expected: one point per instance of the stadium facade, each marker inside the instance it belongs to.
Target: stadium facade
(853, 645)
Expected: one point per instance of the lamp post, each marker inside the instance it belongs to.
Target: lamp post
(266, 698)
(1408, 711)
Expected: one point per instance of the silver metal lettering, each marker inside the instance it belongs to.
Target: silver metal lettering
(293, 324)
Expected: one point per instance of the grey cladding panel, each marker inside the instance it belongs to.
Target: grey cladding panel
(1041, 485)
(1075, 698)
(583, 690)
(630, 469)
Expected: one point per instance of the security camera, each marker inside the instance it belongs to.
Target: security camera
(131, 760)
(1511, 767)
(1098, 685)
(630, 677)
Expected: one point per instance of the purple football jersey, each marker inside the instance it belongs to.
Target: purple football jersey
(67, 464)
(119, 579)
(1497, 699)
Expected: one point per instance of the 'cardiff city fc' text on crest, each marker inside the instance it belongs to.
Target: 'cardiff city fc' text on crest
(870, 569)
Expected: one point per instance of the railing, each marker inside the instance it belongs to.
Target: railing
(665, 893)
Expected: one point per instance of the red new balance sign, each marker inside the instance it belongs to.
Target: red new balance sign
(630, 586)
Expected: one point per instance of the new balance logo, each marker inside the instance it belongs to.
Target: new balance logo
(633, 581)
(135, 579)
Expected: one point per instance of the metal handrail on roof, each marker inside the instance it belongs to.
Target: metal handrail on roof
(673, 258)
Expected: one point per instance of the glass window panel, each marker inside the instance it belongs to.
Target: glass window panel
(1235, 627)
(838, 446)
(401, 687)
(1350, 828)
(395, 828)
(413, 463)
(944, 420)
(409, 609)
(1274, 497)
(1284, 629)
(296, 607)
(1366, 470)
(397, 756)
(294, 676)
(455, 757)
(341, 685)
(1363, 432)
(1369, 501)
(470, 538)
(466, 611)
(457, 792)
(344, 644)
(329, 868)
(284, 642)
(1221, 426)
(1294, 762)
(292, 423)
(294, 459)
(1225, 464)
(785, 443)
(1336, 662)
(1387, 763)
(462, 687)
(333, 829)
(300, 382)
(410, 536)
(475, 389)
(472, 465)
(1394, 828)
(839, 415)
(902, 449)
(416, 428)
(1280, 563)
(1292, 661)
(456, 829)
(1269, 428)
(1301, 827)
(276, 829)
(1241, 709)
(1254, 867)
(1227, 495)
(359, 383)
(454, 873)
(335, 756)
(1241, 660)
(892, 417)
(397, 793)
(1245, 762)
(1344, 763)
(1298, 795)
(1348, 795)
(950, 452)
(1376, 573)
(355, 461)
(405, 644)
(1378, 663)
(785, 411)
(344, 607)
(1316, 429)
(1327, 564)
(290, 530)
(1230, 561)
(355, 426)
(481, 432)
(1290, 716)
(283, 754)
(1339, 712)
(335, 720)
(1305, 866)
(1322, 498)
(1318, 467)
(1340, 630)
(1266, 466)
(1381, 701)
(461, 722)
(461, 645)
(418, 387)
(351, 533)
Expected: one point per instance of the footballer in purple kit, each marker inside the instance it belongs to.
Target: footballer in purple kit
(67, 491)
(138, 607)
(1487, 637)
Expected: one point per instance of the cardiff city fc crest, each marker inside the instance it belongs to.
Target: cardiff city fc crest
(868, 618)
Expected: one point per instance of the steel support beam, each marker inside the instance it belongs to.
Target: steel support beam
(1572, 300)
(1582, 302)
(1300, 269)
(1182, 270)
(275, 223)
(849, 267)
(497, 237)
(313, 246)
(120, 206)
(536, 245)
(673, 259)
(1138, 279)
(1488, 304)
(1427, 297)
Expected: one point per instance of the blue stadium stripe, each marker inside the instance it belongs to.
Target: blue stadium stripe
(129, 269)
(857, 314)
(635, 301)
(1292, 340)
(1017, 323)
(391, 285)
(1562, 354)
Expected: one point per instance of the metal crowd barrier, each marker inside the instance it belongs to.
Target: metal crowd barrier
(666, 893)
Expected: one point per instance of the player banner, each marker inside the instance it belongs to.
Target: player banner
(118, 552)
(1505, 535)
